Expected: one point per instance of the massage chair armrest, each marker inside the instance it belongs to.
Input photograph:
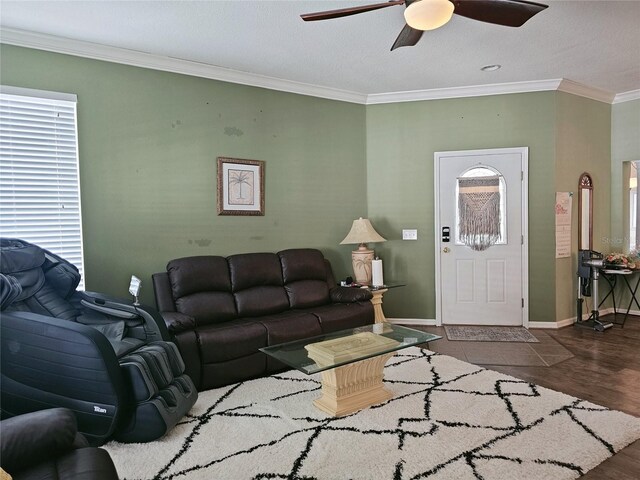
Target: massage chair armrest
(38, 436)
(55, 328)
(178, 322)
(349, 295)
(43, 355)
(155, 327)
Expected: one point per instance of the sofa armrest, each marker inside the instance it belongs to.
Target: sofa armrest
(349, 294)
(36, 437)
(178, 322)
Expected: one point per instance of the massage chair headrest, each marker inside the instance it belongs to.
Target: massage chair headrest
(32, 265)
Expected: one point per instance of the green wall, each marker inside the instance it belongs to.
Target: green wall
(625, 139)
(583, 144)
(148, 143)
(401, 141)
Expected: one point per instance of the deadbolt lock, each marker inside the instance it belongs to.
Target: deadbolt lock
(446, 250)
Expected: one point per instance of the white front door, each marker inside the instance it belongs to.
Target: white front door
(481, 277)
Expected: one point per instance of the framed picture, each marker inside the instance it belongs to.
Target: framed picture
(240, 186)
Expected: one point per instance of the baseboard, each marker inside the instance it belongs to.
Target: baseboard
(570, 321)
(431, 322)
(566, 322)
(553, 325)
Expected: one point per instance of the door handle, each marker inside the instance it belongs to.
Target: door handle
(445, 250)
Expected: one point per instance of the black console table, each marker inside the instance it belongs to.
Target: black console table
(611, 276)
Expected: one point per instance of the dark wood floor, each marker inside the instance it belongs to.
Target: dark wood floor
(605, 370)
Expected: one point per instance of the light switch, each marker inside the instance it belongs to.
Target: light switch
(409, 234)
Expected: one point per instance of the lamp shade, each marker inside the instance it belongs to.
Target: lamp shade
(428, 14)
(362, 232)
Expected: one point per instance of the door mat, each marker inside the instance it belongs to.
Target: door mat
(489, 334)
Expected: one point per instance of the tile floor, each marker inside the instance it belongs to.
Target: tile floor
(546, 353)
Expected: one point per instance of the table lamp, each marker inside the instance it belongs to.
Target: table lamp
(362, 232)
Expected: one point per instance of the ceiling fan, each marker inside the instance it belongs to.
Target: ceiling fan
(422, 15)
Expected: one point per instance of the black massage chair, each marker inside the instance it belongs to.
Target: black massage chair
(107, 360)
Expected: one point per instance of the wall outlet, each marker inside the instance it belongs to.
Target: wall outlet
(409, 234)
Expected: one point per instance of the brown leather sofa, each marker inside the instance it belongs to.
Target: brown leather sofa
(46, 445)
(222, 310)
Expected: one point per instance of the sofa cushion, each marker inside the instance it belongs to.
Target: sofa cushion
(94, 463)
(201, 288)
(84, 463)
(341, 316)
(307, 293)
(190, 275)
(254, 270)
(257, 284)
(302, 264)
(259, 301)
(304, 273)
(227, 341)
(289, 326)
(208, 307)
(42, 436)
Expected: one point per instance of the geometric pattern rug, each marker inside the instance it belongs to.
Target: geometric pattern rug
(448, 420)
(489, 334)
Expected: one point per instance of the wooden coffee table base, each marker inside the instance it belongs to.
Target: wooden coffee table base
(355, 386)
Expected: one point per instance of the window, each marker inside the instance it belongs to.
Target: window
(487, 210)
(39, 180)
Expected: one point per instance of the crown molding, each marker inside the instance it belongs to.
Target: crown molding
(135, 58)
(575, 88)
(462, 92)
(627, 96)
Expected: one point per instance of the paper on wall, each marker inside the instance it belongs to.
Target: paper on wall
(563, 224)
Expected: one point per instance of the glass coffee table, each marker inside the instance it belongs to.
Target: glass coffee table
(351, 363)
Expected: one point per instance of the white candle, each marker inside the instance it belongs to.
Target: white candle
(376, 273)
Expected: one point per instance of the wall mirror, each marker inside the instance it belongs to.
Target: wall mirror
(585, 212)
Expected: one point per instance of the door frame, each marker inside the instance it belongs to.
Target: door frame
(524, 248)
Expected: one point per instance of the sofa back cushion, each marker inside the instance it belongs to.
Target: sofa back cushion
(257, 284)
(201, 288)
(305, 277)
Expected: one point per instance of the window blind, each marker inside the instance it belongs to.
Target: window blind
(39, 177)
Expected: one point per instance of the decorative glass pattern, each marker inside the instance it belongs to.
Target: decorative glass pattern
(480, 208)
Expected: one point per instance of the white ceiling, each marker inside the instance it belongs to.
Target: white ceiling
(594, 43)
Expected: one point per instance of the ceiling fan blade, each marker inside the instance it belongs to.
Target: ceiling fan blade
(511, 13)
(408, 37)
(345, 12)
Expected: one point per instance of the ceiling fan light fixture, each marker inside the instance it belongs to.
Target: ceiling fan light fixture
(428, 14)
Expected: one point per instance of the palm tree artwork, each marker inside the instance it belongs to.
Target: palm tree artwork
(237, 194)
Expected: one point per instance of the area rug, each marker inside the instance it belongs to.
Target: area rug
(489, 334)
(448, 420)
